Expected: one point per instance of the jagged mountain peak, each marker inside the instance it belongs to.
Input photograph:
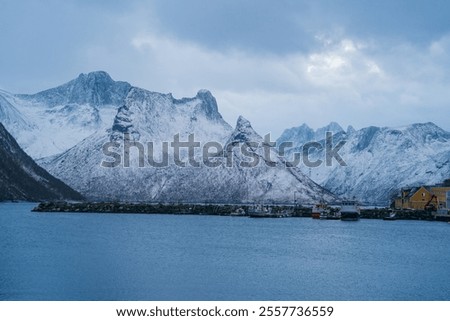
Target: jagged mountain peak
(95, 76)
(242, 122)
(244, 132)
(365, 137)
(350, 130)
(302, 127)
(303, 133)
(95, 88)
(208, 104)
(332, 126)
(297, 135)
(206, 96)
(204, 93)
(160, 116)
(203, 103)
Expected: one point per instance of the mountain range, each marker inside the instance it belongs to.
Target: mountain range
(66, 129)
(72, 129)
(379, 160)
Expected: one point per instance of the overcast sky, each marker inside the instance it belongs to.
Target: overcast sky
(277, 63)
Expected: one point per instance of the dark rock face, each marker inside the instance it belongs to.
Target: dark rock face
(22, 179)
(208, 104)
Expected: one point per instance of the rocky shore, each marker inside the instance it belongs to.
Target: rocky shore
(186, 209)
(212, 209)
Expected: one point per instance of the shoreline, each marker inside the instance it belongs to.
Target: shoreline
(217, 210)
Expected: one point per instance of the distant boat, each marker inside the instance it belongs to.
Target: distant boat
(238, 212)
(349, 211)
(265, 212)
(391, 217)
(334, 216)
(320, 211)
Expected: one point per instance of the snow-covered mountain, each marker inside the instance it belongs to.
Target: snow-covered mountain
(22, 179)
(11, 117)
(68, 126)
(54, 120)
(149, 117)
(304, 133)
(158, 117)
(380, 161)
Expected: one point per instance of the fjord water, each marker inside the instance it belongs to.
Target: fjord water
(67, 256)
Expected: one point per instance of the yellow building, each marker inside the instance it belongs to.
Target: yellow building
(418, 198)
(441, 194)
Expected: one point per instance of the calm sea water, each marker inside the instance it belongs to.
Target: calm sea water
(166, 257)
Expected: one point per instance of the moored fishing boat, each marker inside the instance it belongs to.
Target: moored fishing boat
(349, 211)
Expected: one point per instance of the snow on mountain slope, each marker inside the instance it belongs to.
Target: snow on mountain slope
(380, 161)
(149, 117)
(11, 117)
(272, 178)
(54, 120)
(68, 126)
(160, 116)
(95, 89)
(22, 179)
(302, 134)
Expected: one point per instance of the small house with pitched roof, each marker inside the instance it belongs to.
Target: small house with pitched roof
(423, 197)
